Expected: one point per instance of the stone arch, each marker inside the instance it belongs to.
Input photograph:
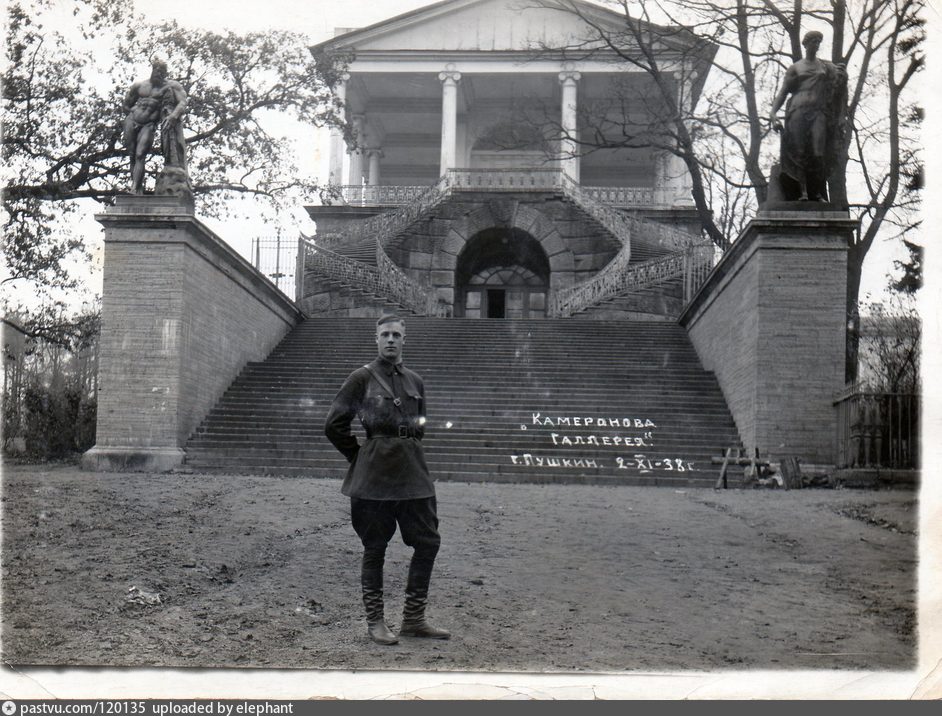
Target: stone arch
(508, 214)
(502, 273)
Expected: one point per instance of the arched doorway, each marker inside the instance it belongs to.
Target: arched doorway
(502, 273)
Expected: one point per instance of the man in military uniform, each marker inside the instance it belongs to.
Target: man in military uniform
(388, 482)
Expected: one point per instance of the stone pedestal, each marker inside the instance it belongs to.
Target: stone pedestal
(182, 313)
(770, 323)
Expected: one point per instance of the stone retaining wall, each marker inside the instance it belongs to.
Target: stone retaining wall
(182, 314)
(770, 322)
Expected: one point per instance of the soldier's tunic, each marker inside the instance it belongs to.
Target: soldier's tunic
(390, 465)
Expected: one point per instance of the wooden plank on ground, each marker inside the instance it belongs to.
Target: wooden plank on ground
(791, 473)
(721, 480)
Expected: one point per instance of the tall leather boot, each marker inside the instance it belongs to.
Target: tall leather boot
(413, 613)
(375, 621)
(371, 579)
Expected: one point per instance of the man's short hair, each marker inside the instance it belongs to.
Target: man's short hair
(390, 318)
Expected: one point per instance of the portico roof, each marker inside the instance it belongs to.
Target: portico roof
(496, 36)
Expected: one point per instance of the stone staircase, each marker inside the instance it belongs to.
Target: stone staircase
(508, 401)
(350, 285)
(663, 301)
(634, 240)
(361, 248)
(355, 300)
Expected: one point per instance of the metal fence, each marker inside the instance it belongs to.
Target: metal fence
(876, 429)
(277, 259)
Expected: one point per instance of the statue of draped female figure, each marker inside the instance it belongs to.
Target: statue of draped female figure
(814, 120)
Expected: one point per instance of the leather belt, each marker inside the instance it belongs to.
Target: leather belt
(405, 431)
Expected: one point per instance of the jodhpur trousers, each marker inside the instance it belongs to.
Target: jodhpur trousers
(375, 524)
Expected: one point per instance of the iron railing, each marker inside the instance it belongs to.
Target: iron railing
(624, 197)
(386, 226)
(385, 280)
(619, 277)
(877, 429)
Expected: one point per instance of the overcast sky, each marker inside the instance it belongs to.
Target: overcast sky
(315, 18)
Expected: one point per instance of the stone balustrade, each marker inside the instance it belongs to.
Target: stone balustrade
(365, 195)
(621, 197)
(628, 197)
(516, 180)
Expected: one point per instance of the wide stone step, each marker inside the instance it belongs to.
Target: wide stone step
(710, 440)
(588, 373)
(459, 473)
(261, 432)
(510, 462)
(465, 450)
(439, 324)
(516, 400)
(587, 376)
(690, 479)
(259, 383)
(480, 416)
(466, 343)
(713, 439)
(659, 331)
(485, 380)
(509, 353)
(469, 421)
(650, 463)
(664, 438)
(496, 395)
(601, 405)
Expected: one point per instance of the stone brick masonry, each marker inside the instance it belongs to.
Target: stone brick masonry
(182, 314)
(770, 322)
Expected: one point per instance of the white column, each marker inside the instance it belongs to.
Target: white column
(449, 79)
(356, 153)
(337, 148)
(568, 147)
(461, 137)
(679, 175)
(375, 154)
(664, 193)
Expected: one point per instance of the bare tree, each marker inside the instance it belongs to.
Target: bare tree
(724, 141)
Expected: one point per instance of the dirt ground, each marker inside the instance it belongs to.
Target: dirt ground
(263, 572)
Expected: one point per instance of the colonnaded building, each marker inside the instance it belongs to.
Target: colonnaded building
(566, 315)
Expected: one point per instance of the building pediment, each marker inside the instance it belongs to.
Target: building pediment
(471, 26)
